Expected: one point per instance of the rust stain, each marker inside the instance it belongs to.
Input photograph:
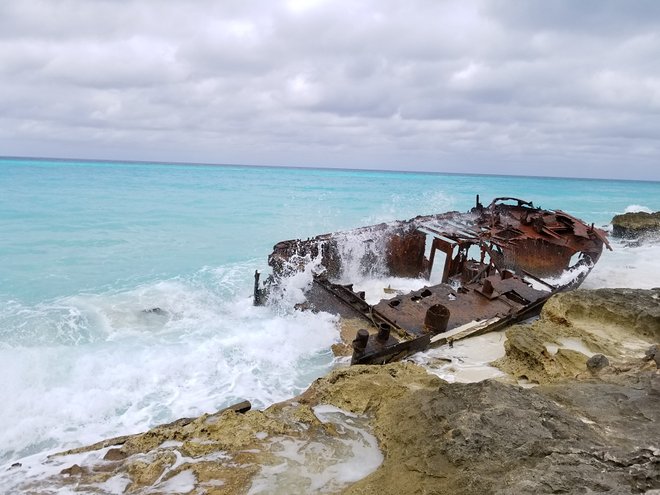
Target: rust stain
(497, 264)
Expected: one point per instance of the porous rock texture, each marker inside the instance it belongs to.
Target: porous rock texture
(635, 225)
(579, 431)
(621, 324)
(490, 437)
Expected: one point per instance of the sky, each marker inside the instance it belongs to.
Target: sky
(535, 87)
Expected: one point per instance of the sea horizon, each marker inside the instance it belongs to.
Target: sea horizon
(312, 167)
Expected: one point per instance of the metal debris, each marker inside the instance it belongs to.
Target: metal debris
(498, 264)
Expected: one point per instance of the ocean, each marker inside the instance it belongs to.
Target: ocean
(87, 247)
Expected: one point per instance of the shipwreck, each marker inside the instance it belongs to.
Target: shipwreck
(480, 271)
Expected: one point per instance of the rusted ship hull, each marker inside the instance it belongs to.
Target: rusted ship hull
(497, 264)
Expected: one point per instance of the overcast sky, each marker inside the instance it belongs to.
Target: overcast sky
(560, 87)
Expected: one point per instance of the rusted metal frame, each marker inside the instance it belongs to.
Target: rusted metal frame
(478, 275)
(258, 293)
(509, 302)
(526, 312)
(577, 281)
(489, 249)
(548, 231)
(462, 229)
(597, 232)
(521, 202)
(486, 266)
(498, 235)
(351, 299)
(395, 352)
(431, 259)
(346, 296)
(454, 235)
(446, 248)
(378, 317)
(501, 241)
(521, 224)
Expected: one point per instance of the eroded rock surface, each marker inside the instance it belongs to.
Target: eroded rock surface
(620, 324)
(579, 431)
(491, 437)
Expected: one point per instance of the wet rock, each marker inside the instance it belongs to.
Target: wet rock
(577, 432)
(634, 225)
(597, 362)
(114, 455)
(74, 470)
(155, 311)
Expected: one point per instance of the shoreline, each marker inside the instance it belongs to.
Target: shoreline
(602, 319)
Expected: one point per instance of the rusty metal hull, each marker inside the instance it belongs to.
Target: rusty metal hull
(497, 264)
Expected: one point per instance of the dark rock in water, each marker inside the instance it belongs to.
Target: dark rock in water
(634, 225)
(155, 311)
(74, 470)
(15, 465)
(114, 455)
(597, 362)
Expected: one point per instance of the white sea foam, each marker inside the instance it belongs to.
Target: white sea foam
(637, 208)
(34, 474)
(632, 266)
(199, 353)
(568, 276)
(466, 360)
(324, 466)
(361, 255)
(376, 289)
(183, 482)
(291, 288)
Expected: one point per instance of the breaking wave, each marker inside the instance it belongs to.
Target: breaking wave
(92, 366)
(637, 208)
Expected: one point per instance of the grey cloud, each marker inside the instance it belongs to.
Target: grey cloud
(381, 84)
(608, 17)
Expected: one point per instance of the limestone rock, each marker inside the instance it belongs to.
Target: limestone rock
(114, 455)
(634, 225)
(490, 437)
(577, 432)
(617, 323)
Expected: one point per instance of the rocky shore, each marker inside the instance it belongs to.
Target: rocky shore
(578, 412)
(636, 225)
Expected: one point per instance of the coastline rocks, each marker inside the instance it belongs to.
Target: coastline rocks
(490, 437)
(634, 225)
(579, 431)
(619, 324)
(437, 437)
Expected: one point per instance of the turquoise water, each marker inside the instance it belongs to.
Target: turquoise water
(79, 226)
(86, 246)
